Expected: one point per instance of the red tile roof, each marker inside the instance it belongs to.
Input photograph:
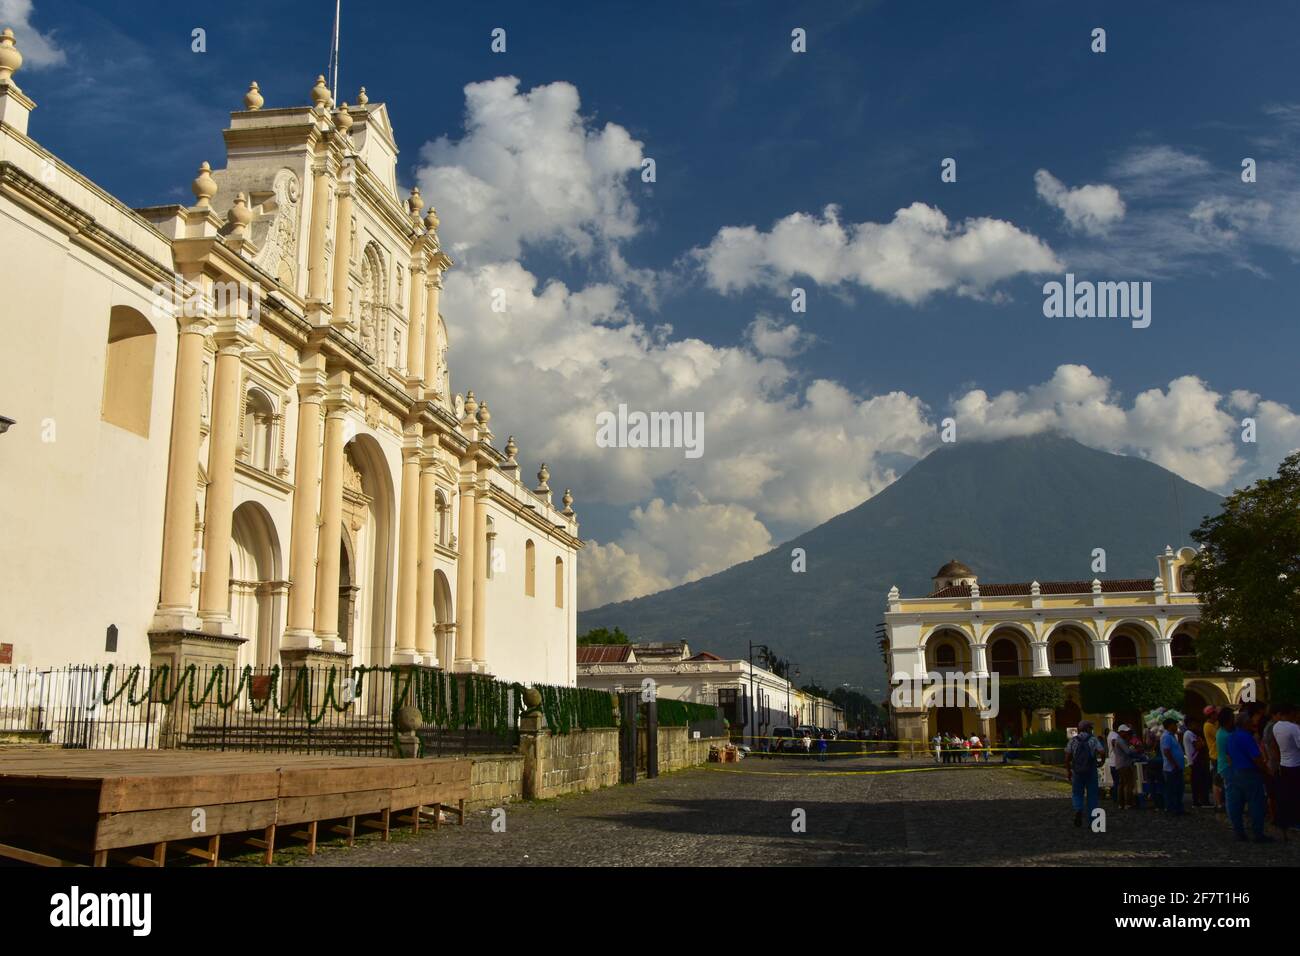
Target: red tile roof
(705, 656)
(1047, 587)
(604, 653)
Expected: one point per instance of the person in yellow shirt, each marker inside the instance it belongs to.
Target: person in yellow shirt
(1210, 730)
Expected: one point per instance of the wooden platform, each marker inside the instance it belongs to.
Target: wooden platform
(69, 807)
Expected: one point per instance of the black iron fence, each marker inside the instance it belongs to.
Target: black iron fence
(304, 709)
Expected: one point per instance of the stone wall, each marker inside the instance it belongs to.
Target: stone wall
(553, 765)
(496, 780)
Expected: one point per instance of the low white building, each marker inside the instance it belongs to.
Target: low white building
(754, 701)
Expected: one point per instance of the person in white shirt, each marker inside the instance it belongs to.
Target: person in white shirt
(1112, 769)
(1287, 734)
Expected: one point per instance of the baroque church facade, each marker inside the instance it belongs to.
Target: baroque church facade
(232, 432)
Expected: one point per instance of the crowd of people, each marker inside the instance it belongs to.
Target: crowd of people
(1243, 762)
(952, 748)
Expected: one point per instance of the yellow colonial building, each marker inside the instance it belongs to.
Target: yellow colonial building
(232, 435)
(1041, 629)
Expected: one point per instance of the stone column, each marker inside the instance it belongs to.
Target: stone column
(480, 563)
(306, 501)
(425, 641)
(317, 267)
(1039, 651)
(978, 658)
(328, 538)
(415, 332)
(408, 554)
(342, 256)
(214, 586)
(1164, 652)
(465, 573)
(433, 290)
(1101, 653)
(182, 475)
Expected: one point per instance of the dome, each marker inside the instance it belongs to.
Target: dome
(953, 569)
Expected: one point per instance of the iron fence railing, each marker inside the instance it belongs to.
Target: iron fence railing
(336, 710)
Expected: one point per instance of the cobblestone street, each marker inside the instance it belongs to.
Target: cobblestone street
(856, 815)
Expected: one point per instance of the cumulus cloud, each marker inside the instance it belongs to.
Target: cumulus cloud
(531, 170)
(39, 49)
(781, 453)
(1090, 209)
(910, 258)
(669, 544)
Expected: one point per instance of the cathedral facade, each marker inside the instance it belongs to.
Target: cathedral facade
(234, 435)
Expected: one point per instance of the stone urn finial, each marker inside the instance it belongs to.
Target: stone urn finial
(511, 449)
(240, 215)
(320, 93)
(362, 99)
(431, 220)
(10, 57)
(543, 476)
(567, 501)
(416, 202)
(253, 98)
(204, 187)
(343, 119)
(471, 404)
(532, 701)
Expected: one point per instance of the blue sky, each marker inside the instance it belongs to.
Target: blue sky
(745, 133)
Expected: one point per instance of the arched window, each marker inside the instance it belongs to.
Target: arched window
(945, 655)
(530, 569)
(1004, 659)
(259, 430)
(1062, 653)
(1183, 651)
(444, 518)
(559, 582)
(128, 371)
(1123, 651)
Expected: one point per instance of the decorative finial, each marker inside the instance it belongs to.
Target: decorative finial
(471, 404)
(511, 449)
(362, 99)
(894, 594)
(1096, 586)
(1169, 550)
(240, 215)
(543, 475)
(431, 220)
(1035, 589)
(567, 501)
(320, 93)
(1158, 584)
(974, 589)
(416, 202)
(204, 187)
(10, 58)
(253, 98)
(342, 118)
(484, 416)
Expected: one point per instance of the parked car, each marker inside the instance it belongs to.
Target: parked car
(783, 739)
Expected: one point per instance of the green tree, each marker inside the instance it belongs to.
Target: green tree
(1248, 576)
(603, 635)
(816, 689)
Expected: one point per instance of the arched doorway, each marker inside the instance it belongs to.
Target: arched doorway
(369, 541)
(254, 577)
(443, 618)
(1004, 657)
(1123, 651)
(1068, 715)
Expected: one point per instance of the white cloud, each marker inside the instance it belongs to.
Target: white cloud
(1090, 209)
(669, 544)
(38, 49)
(781, 454)
(530, 170)
(915, 255)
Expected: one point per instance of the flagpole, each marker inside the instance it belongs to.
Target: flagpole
(334, 91)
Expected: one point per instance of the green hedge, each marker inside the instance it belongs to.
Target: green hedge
(1109, 690)
(576, 708)
(679, 713)
(1030, 693)
(1044, 738)
(1284, 684)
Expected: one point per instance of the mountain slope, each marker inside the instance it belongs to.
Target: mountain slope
(1013, 510)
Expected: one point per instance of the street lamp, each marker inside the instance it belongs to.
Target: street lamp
(753, 712)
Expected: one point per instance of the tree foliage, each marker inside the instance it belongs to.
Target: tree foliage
(1248, 575)
(603, 635)
(1028, 694)
(1113, 689)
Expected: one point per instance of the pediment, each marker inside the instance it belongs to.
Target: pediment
(271, 366)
